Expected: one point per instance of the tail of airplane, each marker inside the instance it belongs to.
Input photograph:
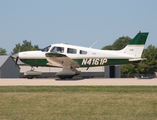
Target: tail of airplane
(136, 45)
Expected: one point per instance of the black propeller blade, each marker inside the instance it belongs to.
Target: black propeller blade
(16, 59)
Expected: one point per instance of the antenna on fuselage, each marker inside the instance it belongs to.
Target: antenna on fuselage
(93, 44)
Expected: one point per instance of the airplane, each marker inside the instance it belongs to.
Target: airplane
(70, 57)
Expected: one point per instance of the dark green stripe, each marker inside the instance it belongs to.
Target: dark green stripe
(109, 62)
(35, 62)
(43, 62)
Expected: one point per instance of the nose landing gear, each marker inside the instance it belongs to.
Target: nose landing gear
(31, 73)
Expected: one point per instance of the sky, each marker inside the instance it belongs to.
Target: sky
(76, 22)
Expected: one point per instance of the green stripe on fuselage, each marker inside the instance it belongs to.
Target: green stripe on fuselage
(90, 62)
(35, 62)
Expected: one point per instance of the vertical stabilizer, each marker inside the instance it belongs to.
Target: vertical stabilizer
(136, 45)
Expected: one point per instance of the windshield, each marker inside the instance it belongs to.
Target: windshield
(46, 49)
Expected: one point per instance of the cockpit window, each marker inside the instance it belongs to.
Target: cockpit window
(46, 49)
(57, 49)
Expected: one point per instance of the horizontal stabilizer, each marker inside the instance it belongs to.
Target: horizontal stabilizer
(139, 59)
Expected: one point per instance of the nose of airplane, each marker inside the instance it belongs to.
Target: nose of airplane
(15, 55)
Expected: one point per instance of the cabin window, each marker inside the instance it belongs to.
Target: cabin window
(71, 50)
(83, 52)
(57, 49)
(46, 49)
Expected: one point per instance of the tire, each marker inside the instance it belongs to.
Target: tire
(30, 77)
(62, 78)
(70, 77)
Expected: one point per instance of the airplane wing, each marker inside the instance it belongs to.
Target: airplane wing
(60, 60)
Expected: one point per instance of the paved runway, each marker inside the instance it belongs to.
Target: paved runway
(79, 82)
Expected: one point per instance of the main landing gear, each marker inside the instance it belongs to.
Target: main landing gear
(68, 73)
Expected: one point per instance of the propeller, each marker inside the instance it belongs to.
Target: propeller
(16, 59)
(16, 56)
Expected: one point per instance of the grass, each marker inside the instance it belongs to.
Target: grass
(78, 102)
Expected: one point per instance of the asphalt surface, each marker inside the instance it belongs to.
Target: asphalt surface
(79, 82)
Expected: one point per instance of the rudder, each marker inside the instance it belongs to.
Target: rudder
(136, 45)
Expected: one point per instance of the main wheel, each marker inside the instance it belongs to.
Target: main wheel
(30, 77)
(70, 77)
(62, 78)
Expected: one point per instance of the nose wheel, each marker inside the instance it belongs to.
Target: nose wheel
(31, 73)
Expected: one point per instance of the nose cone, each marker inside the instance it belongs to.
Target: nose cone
(15, 55)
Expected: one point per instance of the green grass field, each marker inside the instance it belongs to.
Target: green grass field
(78, 103)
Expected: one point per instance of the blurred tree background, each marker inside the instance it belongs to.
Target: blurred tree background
(26, 46)
(119, 44)
(149, 66)
(3, 51)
